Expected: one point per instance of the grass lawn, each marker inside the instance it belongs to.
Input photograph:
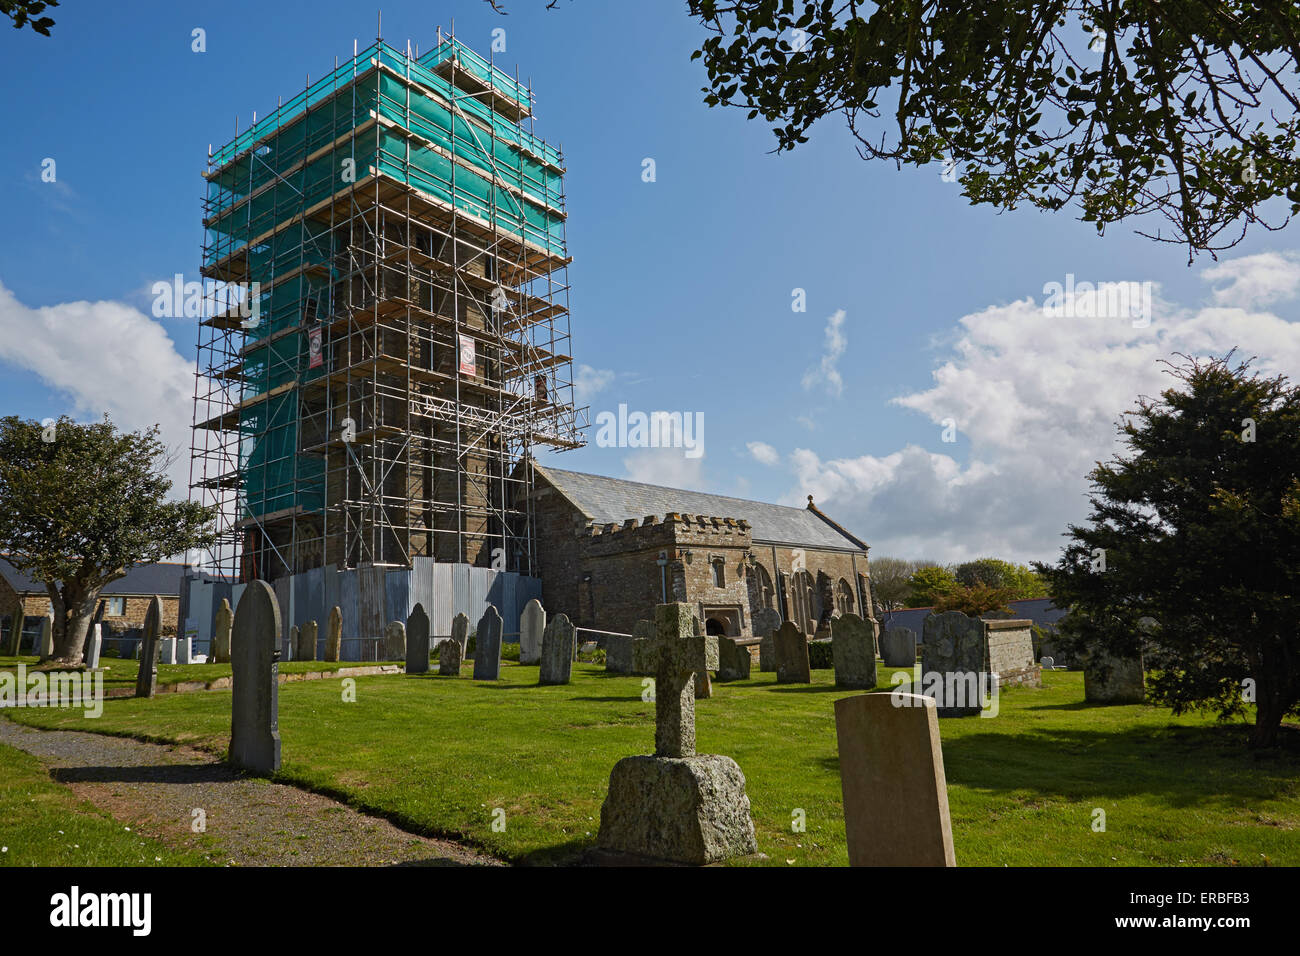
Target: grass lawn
(44, 824)
(439, 755)
(122, 672)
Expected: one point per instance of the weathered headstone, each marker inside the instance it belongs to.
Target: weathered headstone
(417, 641)
(853, 650)
(952, 663)
(643, 657)
(1112, 679)
(892, 780)
(294, 639)
(395, 641)
(765, 623)
(146, 681)
(618, 653)
(225, 619)
(168, 655)
(334, 634)
(557, 651)
(791, 651)
(487, 646)
(16, 618)
(460, 632)
(306, 649)
(734, 662)
(255, 663)
(898, 647)
(184, 650)
(677, 805)
(532, 625)
(47, 636)
(449, 658)
(94, 646)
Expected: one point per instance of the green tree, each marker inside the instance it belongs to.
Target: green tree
(79, 505)
(974, 599)
(928, 584)
(1192, 547)
(890, 582)
(27, 12)
(1184, 110)
(1018, 580)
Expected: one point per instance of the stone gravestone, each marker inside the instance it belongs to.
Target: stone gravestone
(146, 681)
(47, 637)
(334, 635)
(677, 805)
(16, 617)
(557, 651)
(892, 780)
(417, 641)
(765, 624)
(853, 650)
(306, 649)
(952, 663)
(255, 696)
(395, 641)
(618, 653)
(221, 633)
(643, 656)
(94, 646)
(532, 625)
(184, 650)
(460, 632)
(1112, 679)
(898, 647)
(487, 646)
(449, 658)
(734, 661)
(791, 652)
(295, 639)
(168, 653)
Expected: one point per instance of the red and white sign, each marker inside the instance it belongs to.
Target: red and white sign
(467, 356)
(315, 358)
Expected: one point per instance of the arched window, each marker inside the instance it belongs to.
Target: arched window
(761, 586)
(719, 573)
(805, 608)
(714, 627)
(843, 597)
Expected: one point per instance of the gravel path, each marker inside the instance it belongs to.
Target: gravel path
(249, 821)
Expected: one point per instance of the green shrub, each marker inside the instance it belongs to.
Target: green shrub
(819, 655)
(510, 652)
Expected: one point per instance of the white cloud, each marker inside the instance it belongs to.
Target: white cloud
(664, 466)
(1035, 400)
(763, 452)
(590, 381)
(826, 373)
(1257, 280)
(106, 357)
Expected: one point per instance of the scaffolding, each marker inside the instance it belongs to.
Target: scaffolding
(386, 331)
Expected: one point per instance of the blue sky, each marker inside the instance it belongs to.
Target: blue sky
(682, 287)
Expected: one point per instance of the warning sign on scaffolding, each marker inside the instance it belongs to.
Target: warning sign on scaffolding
(467, 355)
(315, 359)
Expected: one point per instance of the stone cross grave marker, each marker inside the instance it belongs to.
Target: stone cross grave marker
(898, 647)
(334, 634)
(557, 651)
(306, 650)
(395, 641)
(255, 695)
(680, 653)
(892, 780)
(449, 658)
(791, 652)
(853, 650)
(487, 646)
(532, 627)
(417, 641)
(225, 619)
(146, 681)
(460, 632)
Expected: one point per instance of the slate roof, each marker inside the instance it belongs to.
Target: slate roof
(608, 500)
(162, 578)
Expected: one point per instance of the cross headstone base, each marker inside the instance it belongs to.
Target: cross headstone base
(690, 810)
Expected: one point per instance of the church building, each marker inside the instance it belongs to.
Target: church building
(609, 550)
